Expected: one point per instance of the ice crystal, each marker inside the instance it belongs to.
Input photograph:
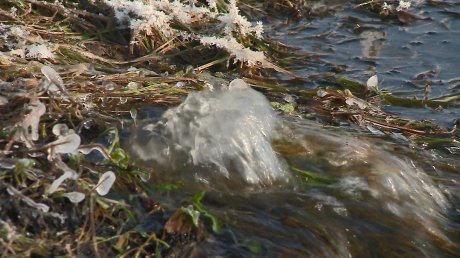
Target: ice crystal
(234, 22)
(212, 4)
(13, 11)
(18, 52)
(403, 5)
(236, 50)
(39, 51)
(157, 18)
(60, 129)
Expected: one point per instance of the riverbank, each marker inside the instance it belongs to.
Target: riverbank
(72, 85)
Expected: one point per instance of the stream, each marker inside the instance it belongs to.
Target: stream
(290, 187)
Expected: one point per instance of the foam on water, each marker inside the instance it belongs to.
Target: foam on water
(213, 135)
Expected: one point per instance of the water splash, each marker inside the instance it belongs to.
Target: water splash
(222, 138)
(390, 183)
(215, 135)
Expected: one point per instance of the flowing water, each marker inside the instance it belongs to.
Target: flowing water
(294, 188)
(298, 188)
(357, 43)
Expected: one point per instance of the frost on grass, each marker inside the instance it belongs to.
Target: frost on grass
(160, 19)
(39, 51)
(236, 50)
(398, 6)
(403, 5)
(20, 42)
(67, 142)
(60, 129)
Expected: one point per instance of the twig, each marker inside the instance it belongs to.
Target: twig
(9, 16)
(93, 227)
(89, 55)
(64, 11)
(363, 4)
(205, 66)
(394, 126)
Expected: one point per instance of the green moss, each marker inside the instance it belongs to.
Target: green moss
(288, 108)
(353, 86)
(416, 103)
(72, 57)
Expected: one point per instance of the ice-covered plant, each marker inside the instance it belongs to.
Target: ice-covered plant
(162, 21)
(39, 51)
(398, 6)
(24, 44)
(403, 5)
(236, 50)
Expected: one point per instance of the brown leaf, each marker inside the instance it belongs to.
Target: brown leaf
(407, 18)
(181, 224)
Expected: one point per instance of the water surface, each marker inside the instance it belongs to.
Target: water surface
(358, 43)
(307, 190)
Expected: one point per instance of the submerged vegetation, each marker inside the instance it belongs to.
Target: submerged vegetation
(75, 74)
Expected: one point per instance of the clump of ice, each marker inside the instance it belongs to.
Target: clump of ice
(215, 135)
(39, 51)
